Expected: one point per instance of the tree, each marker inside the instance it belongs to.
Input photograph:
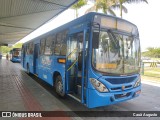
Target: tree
(152, 52)
(119, 4)
(6, 49)
(105, 5)
(18, 45)
(78, 5)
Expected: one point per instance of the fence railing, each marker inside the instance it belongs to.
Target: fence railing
(150, 68)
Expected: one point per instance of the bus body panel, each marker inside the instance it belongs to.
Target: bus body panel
(114, 85)
(29, 62)
(48, 66)
(102, 99)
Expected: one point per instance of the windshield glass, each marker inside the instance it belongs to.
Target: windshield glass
(116, 53)
(17, 53)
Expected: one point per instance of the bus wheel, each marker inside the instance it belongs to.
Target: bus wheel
(59, 86)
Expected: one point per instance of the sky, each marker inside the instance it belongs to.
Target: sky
(147, 19)
(145, 16)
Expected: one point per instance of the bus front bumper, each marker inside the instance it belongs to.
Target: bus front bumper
(16, 60)
(97, 99)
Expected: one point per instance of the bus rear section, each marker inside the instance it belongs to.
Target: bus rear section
(94, 59)
(15, 55)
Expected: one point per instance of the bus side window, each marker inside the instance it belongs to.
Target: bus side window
(64, 43)
(42, 45)
(27, 49)
(31, 47)
(48, 46)
(58, 44)
(53, 43)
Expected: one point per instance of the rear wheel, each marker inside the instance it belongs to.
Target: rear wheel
(59, 86)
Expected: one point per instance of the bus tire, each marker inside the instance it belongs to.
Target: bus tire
(59, 86)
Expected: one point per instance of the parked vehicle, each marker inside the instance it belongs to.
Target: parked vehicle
(94, 59)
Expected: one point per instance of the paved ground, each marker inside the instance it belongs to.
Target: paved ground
(20, 92)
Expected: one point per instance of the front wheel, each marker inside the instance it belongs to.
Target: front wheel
(59, 86)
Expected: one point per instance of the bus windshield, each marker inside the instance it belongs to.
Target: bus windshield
(117, 53)
(17, 53)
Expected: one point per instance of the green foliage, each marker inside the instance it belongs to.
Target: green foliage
(78, 5)
(104, 5)
(107, 6)
(153, 72)
(121, 2)
(6, 49)
(18, 45)
(152, 52)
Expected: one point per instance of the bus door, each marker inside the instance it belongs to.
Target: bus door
(75, 65)
(35, 59)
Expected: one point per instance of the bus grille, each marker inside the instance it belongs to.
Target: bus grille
(120, 88)
(121, 80)
(118, 96)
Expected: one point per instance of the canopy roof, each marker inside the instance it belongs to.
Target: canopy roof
(18, 18)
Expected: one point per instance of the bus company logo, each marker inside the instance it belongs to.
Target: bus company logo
(6, 114)
(123, 87)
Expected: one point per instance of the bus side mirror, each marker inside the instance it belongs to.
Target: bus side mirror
(95, 40)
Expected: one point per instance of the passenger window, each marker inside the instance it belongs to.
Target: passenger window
(54, 40)
(64, 44)
(58, 44)
(27, 49)
(42, 46)
(63, 48)
(31, 48)
(48, 46)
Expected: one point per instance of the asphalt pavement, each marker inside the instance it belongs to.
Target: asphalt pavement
(45, 96)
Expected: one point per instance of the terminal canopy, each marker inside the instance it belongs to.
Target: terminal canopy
(18, 18)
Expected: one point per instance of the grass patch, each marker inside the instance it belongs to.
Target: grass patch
(149, 78)
(155, 58)
(153, 72)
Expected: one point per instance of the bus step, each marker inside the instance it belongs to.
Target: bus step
(79, 89)
(36, 75)
(79, 74)
(74, 97)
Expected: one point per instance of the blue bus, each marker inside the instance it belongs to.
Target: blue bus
(94, 59)
(15, 55)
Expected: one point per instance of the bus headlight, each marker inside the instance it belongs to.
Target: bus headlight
(98, 85)
(138, 82)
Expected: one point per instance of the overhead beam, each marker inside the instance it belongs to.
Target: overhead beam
(53, 3)
(1, 18)
(3, 44)
(17, 27)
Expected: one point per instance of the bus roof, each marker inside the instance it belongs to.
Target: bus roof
(84, 18)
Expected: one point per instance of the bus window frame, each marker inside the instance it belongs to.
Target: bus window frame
(64, 42)
(50, 45)
(44, 40)
(31, 48)
(57, 52)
